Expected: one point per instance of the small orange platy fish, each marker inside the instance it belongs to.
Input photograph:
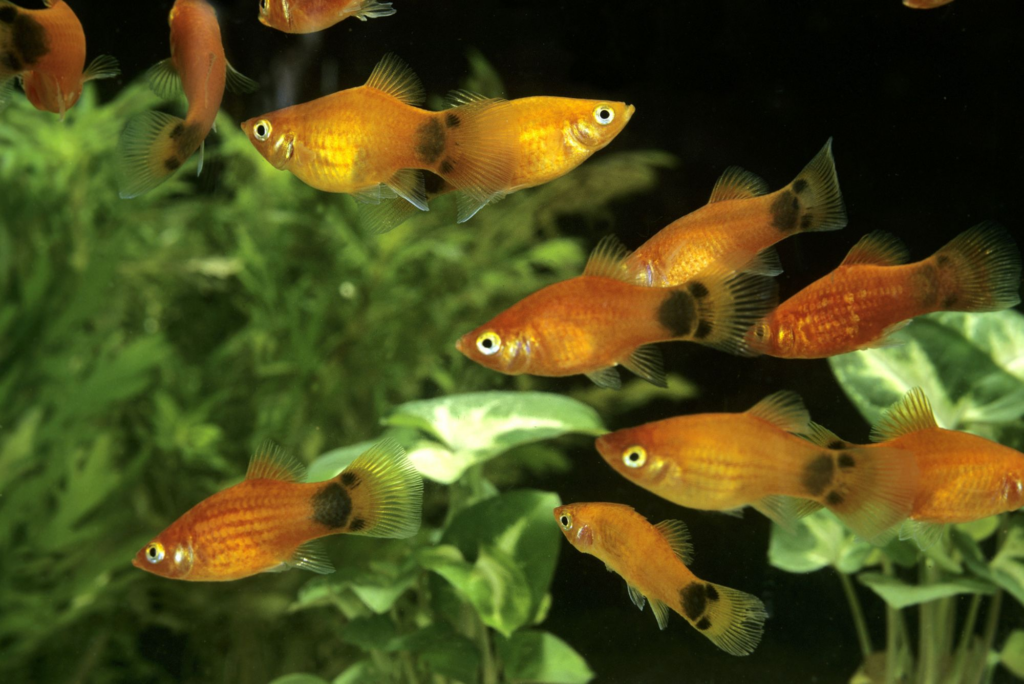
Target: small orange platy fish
(741, 220)
(925, 4)
(269, 522)
(602, 319)
(874, 293)
(154, 144)
(553, 135)
(373, 141)
(46, 49)
(723, 461)
(963, 477)
(310, 16)
(653, 559)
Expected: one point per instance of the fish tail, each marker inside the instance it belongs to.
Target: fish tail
(871, 489)
(732, 619)
(813, 201)
(980, 270)
(6, 91)
(386, 493)
(152, 147)
(373, 9)
(23, 40)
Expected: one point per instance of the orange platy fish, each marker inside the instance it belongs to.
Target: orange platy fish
(653, 559)
(723, 461)
(602, 319)
(269, 522)
(926, 4)
(963, 477)
(740, 220)
(553, 135)
(155, 144)
(372, 141)
(874, 293)
(310, 16)
(46, 49)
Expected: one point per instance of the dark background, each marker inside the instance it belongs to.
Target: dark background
(924, 109)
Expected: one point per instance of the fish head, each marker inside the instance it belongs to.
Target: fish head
(635, 453)
(576, 525)
(168, 555)
(770, 335)
(272, 137)
(272, 14)
(1013, 490)
(595, 123)
(499, 345)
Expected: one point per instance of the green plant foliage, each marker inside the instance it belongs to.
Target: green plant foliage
(818, 540)
(1012, 655)
(899, 594)
(535, 656)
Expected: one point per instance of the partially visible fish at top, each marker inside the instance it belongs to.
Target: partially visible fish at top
(154, 145)
(925, 4)
(310, 16)
(553, 135)
(46, 49)
(373, 141)
(741, 219)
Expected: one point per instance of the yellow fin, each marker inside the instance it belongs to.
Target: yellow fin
(457, 98)
(634, 595)
(311, 556)
(911, 413)
(813, 201)
(733, 620)
(103, 66)
(475, 150)
(237, 82)
(660, 611)
(647, 362)
(386, 492)
(608, 260)
(736, 183)
(271, 462)
(394, 77)
(784, 410)
(408, 184)
(985, 264)
(677, 534)
(164, 80)
(372, 9)
(877, 248)
(150, 149)
(823, 437)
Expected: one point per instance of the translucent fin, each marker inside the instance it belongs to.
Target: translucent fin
(677, 534)
(102, 67)
(457, 98)
(6, 92)
(813, 201)
(478, 154)
(648, 363)
(237, 82)
(985, 264)
(466, 207)
(824, 437)
(890, 336)
(386, 214)
(394, 77)
(608, 260)
(386, 492)
(607, 378)
(164, 80)
(785, 510)
(784, 410)
(660, 611)
(911, 413)
(408, 184)
(733, 620)
(271, 462)
(737, 183)
(202, 156)
(635, 596)
(877, 248)
(372, 9)
(727, 304)
(311, 556)
(766, 263)
(926, 534)
(152, 146)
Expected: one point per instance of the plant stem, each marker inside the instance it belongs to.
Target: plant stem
(483, 641)
(858, 614)
(893, 631)
(963, 649)
(992, 619)
(930, 649)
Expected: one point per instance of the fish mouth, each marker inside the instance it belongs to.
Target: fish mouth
(460, 346)
(628, 114)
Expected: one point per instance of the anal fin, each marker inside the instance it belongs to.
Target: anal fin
(635, 596)
(647, 362)
(607, 378)
(103, 66)
(311, 556)
(660, 613)
(408, 184)
(926, 534)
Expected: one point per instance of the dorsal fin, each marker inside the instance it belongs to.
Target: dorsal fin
(271, 462)
(737, 183)
(911, 413)
(608, 260)
(824, 437)
(877, 248)
(394, 77)
(784, 410)
(457, 98)
(677, 535)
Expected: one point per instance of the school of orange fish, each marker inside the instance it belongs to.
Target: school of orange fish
(706, 278)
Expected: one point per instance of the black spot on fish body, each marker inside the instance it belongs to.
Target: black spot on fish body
(949, 301)
(451, 120)
(7, 14)
(178, 130)
(704, 329)
(431, 140)
(693, 598)
(356, 525)
(677, 313)
(698, 289)
(11, 62)
(785, 212)
(30, 42)
(350, 480)
(446, 167)
(834, 499)
(172, 163)
(846, 461)
(805, 221)
(711, 592)
(818, 474)
(942, 259)
(704, 624)
(799, 185)
(837, 444)
(332, 506)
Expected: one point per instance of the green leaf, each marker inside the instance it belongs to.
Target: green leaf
(1012, 655)
(362, 672)
(376, 632)
(536, 656)
(898, 594)
(329, 464)
(299, 678)
(817, 541)
(1008, 565)
(443, 651)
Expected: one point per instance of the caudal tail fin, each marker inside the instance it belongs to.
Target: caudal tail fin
(813, 201)
(151, 148)
(386, 493)
(732, 619)
(980, 270)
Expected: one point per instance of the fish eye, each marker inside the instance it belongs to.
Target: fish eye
(634, 456)
(604, 115)
(488, 343)
(565, 521)
(262, 130)
(263, 5)
(155, 552)
(762, 331)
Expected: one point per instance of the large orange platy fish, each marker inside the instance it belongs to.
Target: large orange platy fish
(309, 16)
(155, 144)
(741, 219)
(271, 520)
(874, 293)
(46, 49)
(724, 461)
(592, 323)
(552, 136)
(373, 141)
(962, 477)
(653, 560)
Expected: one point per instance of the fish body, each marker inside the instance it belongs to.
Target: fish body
(269, 521)
(653, 560)
(870, 295)
(723, 461)
(591, 323)
(46, 48)
(740, 220)
(925, 4)
(310, 16)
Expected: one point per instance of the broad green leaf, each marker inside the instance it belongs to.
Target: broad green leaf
(536, 656)
(328, 465)
(1012, 655)
(1008, 565)
(817, 541)
(980, 530)
(898, 594)
(362, 672)
(299, 678)
(376, 632)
